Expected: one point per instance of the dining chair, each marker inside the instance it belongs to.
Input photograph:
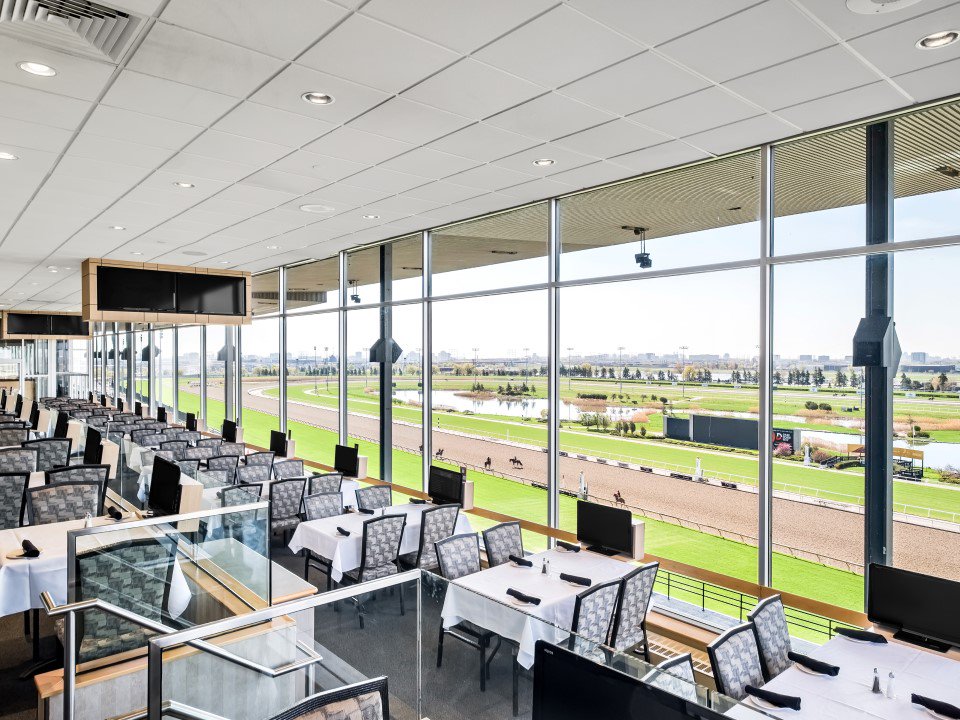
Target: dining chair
(366, 700)
(13, 487)
(501, 541)
(286, 501)
(19, 459)
(326, 483)
(630, 621)
(223, 462)
(735, 661)
(675, 676)
(54, 452)
(773, 637)
(228, 448)
(288, 469)
(199, 453)
(374, 497)
(253, 473)
(176, 446)
(316, 507)
(63, 501)
(208, 442)
(378, 554)
(436, 523)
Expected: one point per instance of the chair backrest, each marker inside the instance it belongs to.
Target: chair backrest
(215, 478)
(321, 505)
(237, 495)
(288, 469)
(636, 591)
(87, 473)
(190, 468)
(367, 700)
(13, 487)
(735, 660)
(176, 446)
(436, 524)
(259, 458)
(675, 676)
(374, 497)
(54, 452)
(64, 501)
(286, 496)
(190, 436)
(327, 483)
(253, 473)
(208, 442)
(199, 453)
(228, 448)
(458, 555)
(773, 637)
(21, 459)
(381, 546)
(223, 462)
(501, 541)
(593, 611)
(139, 434)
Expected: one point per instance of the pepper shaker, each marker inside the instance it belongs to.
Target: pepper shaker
(876, 682)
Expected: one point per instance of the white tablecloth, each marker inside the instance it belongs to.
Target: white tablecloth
(482, 597)
(848, 695)
(322, 538)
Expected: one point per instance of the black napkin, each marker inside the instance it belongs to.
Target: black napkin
(568, 546)
(586, 582)
(29, 549)
(939, 707)
(521, 561)
(345, 533)
(523, 598)
(417, 501)
(365, 511)
(860, 635)
(783, 701)
(815, 665)
(114, 513)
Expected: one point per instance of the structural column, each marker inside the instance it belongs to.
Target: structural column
(553, 367)
(765, 375)
(426, 361)
(386, 362)
(342, 355)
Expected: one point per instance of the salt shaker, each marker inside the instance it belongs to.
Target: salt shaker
(890, 693)
(88, 521)
(543, 567)
(876, 682)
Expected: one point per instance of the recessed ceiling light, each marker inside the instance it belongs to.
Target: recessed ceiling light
(8, 156)
(938, 40)
(273, 247)
(181, 184)
(317, 208)
(544, 162)
(117, 227)
(35, 68)
(53, 269)
(136, 253)
(371, 217)
(317, 98)
(224, 262)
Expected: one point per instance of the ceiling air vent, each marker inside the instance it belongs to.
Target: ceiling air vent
(77, 26)
(875, 7)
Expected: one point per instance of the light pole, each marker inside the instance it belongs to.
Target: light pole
(683, 366)
(316, 369)
(326, 375)
(475, 351)
(526, 361)
(363, 365)
(569, 367)
(620, 350)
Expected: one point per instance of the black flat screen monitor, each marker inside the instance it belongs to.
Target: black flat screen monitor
(921, 607)
(89, 397)
(92, 448)
(35, 415)
(60, 429)
(211, 294)
(567, 686)
(103, 400)
(164, 498)
(228, 431)
(138, 409)
(445, 486)
(132, 290)
(120, 404)
(603, 528)
(278, 443)
(27, 324)
(68, 325)
(161, 414)
(191, 422)
(346, 460)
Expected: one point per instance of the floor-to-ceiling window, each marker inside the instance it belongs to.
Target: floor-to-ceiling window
(189, 364)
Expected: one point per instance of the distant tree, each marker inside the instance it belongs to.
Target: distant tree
(840, 380)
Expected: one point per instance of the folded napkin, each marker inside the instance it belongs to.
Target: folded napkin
(523, 598)
(782, 701)
(417, 501)
(29, 549)
(521, 561)
(345, 533)
(815, 665)
(586, 582)
(860, 635)
(114, 513)
(366, 511)
(939, 707)
(568, 546)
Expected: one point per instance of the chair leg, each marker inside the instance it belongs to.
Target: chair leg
(440, 646)
(516, 686)
(26, 623)
(482, 642)
(492, 655)
(403, 610)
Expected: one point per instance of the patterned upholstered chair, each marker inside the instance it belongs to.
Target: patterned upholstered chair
(176, 446)
(735, 660)
(630, 622)
(773, 637)
(676, 677)
(223, 462)
(188, 436)
(259, 459)
(378, 555)
(374, 497)
(238, 449)
(54, 452)
(286, 499)
(367, 700)
(216, 478)
(232, 495)
(501, 541)
(326, 483)
(81, 473)
(64, 501)
(208, 442)
(288, 469)
(199, 453)
(253, 473)
(458, 556)
(436, 524)
(13, 487)
(593, 612)
(21, 459)
(315, 507)
(190, 468)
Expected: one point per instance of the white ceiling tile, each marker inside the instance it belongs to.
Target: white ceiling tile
(719, 50)
(206, 167)
(596, 173)
(205, 62)
(483, 142)
(430, 164)
(931, 83)
(850, 105)
(557, 47)
(162, 183)
(76, 77)
(402, 205)
(612, 138)
(549, 117)
(474, 90)
(349, 98)
(634, 84)
(754, 131)
(539, 189)
(33, 135)
(894, 49)
(443, 192)
(312, 165)
(408, 121)
(118, 151)
(380, 178)
(659, 156)
(463, 25)
(848, 24)
(815, 75)
(254, 196)
(167, 99)
(563, 158)
(35, 106)
(134, 127)
(226, 146)
(347, 194)
(283, 32)
(356, 146)
(98, 169)
(284, 181)
(369, 52)
(490, 177)
(695, 113)
(269, 124)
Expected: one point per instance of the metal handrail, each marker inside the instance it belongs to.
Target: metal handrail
(172, 708)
